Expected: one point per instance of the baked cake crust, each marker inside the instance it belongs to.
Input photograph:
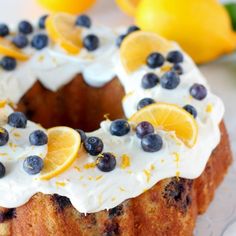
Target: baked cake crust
(169, 208)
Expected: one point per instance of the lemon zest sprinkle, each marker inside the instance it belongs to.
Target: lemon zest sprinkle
(60, 184)
(77, 168)
(99, 177)
(41, 58)
(113, 199)
(90, 178)
(209, 108)
(125, 161)
(148, 175)
(17, 135)
(89, 165)
(122, 189)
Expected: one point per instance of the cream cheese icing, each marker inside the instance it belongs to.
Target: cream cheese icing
(89, 189)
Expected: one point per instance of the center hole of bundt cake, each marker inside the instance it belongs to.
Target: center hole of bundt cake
(76, 105)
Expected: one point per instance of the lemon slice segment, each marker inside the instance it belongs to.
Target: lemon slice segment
(61, 29)
(8, 49)
(137, 46)
(170, 117)
(63, 147)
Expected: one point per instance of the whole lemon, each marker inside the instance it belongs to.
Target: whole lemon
(70, 6)
(201, 27)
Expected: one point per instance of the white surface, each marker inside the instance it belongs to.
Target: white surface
(222, 77)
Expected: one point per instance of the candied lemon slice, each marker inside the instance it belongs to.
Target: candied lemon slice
(170, 117)
(8, 49)
(63, 147)
(137, 46)
(128, 6)
(61, 29)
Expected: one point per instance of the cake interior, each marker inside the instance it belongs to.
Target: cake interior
(76, 105)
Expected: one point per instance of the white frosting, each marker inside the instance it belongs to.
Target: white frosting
(89, 189)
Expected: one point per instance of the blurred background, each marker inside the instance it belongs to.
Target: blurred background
(206, 29)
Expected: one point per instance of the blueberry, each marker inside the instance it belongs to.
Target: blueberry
(33, 165)
(38, 138)
(25, 27)
(82, 134)
(120, 39)
(177, 68)
(149, 80)
(170, 80)
(190, 109)
(119, 127)
(83, 20)
(143, 129)
(175, 57)
(132, 29)
(2, 170)
(20, 41)
(41, 23)
(17, 120)
(39, 41)
(155, 60)
(4, 136)
(145, 102)
(198, 91)
(106, 162)
(8, 63)
(91, 42)
(93, 145)
(4, 30)
(151, 143)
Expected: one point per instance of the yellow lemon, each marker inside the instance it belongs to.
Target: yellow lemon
(170, 118)
(8, 49)
(128, 6)
(201, 27)
(63, 147)
(70, 6)
(62, 30)
(136, 47)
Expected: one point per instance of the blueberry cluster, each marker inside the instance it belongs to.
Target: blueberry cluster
(130, 30)
(32, 164)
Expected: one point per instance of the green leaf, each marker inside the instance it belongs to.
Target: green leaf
(231, 8)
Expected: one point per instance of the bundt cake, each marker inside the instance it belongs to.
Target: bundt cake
(149, 168)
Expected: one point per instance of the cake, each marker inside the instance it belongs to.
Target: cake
(149, 175)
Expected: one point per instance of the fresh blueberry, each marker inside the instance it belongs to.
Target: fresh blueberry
(119, 127)
(106, 162)
(91, 42)
(132, 29)
(8, 63)
(177, 68)
(17, 120)
(39, 41)
(4, 30)
(4, 136)
(175, 57)
(82, 134)
(84, 21)
(145, 102)
(190, 109)
(93, 145)
(149, 80)
(120, 39)
(155, 60)
(143, 129)
(151, 143)
(170, 80)
(2, 170)
(38, 138)
(33, 165)
(25, 27)
(20, 41)
(198, 91)
(41, 23)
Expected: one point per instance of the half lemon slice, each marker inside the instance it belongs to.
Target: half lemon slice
(170, 118)
(63, 147)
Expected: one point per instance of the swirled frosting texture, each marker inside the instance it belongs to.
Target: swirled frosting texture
(89, 189)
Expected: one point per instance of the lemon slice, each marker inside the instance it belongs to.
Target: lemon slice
(170, 118)
(62, 30)
(128, 6)
(63, 147)
(8, 49)
(137, 46)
